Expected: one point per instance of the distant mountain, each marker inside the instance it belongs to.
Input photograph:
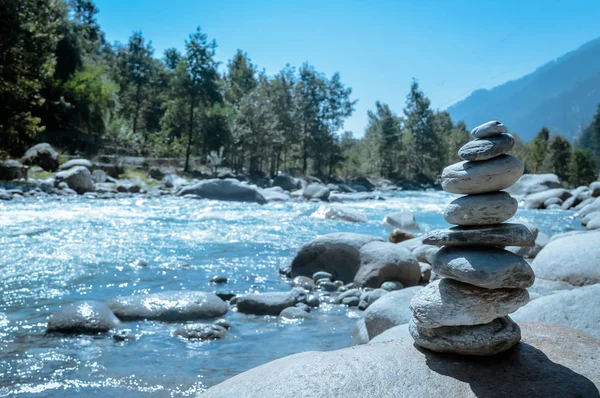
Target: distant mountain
(562, 95)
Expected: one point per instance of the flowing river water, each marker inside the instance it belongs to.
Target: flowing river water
(55, 250)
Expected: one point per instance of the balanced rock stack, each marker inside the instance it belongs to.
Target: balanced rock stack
(465, 311)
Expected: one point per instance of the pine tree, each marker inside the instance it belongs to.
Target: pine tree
(590, 139)
(539, 150)
(582, 168)
(559, 154)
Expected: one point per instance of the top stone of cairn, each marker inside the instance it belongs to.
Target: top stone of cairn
(489, 129)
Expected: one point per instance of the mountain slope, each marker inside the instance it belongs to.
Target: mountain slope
(562, 95)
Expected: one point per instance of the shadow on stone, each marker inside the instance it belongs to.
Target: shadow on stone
(523, 371)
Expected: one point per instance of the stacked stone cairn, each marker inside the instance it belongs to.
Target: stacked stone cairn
(466, 311)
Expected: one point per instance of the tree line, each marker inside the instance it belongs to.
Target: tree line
(62, 82)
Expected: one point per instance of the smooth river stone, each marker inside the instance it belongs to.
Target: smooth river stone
(486, 148)
(489, 129)
(483, 209)
(446, 302)
(491, 235)
(487, 267)
(490, 175)
(488, 339)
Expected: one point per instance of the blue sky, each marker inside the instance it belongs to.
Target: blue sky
(451, 47)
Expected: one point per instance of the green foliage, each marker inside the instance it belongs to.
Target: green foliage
(590, 139)
(558, 157)
(539, 150)
(582, 168)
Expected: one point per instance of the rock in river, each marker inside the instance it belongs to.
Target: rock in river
(173, 306)
(494, 235)
(82, 317)
(486, 148)
(78, 178)
(223, 189)
(389, 311)
(488, 267)
(42, 155)
(446, 302)
(384, 261)
(483, 209)
(480, 177)
(269, 303)
(552, 361)
(199, 331)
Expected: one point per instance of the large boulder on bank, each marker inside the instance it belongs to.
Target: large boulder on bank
(537, 200)
(269, 303)
(223, 189)
(577, 308)
(82, 317)
(336, 253)
(75, 162)
(316, 191)
(286, 182)
(532, 183)
(384, 261)
(389, 311)
(42, 155)
(78, 178)
(574, 259)
(551, 361)
(12, 170)
(176, 306)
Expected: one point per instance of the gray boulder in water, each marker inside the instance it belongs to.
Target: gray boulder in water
(199, 331)
(82, 317)
(177, 306)
(78, 178)
(228, 189)
(532, 183)
(384, 261)
(12, 170)
(269, 303)
(552, 361)
(336, 253)
(316, 191)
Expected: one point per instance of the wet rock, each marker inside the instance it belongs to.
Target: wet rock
(269, 303)
(392, 285)
(446, 302)
(170, 306)
(294, 313)
(302, 306)
(326, 285)
(486, 148)
(484, 209)
(351, 301)
(354, 197)
(219, 279)
(42, 155)
(322, 275)
(225, 296)
(489, 129)
(334, 212)
(404, 220)
(487, 339)
(199, 331)
(5, 195)
(224, 323)
(12, 170)
(495, 235)
(574, 259)
(481, 177)
(78, 178)
(99, 176)
(316, 191)
(286, 182)
(228, 189)
(336, 253)
(384, 261)
(487, 267)
(75, 162)
(82, 317)
(303, 282)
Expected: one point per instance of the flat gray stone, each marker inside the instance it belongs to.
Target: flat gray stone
(551, 361)
(483, 209)
(294, 313)
(82, 317)
(490, 175)
(488, 339)
(390, 310)
(487, 267)
(492, 235)
(175, 306)
(269, 303)
(446, 302)
(486, 148)
(489, 129)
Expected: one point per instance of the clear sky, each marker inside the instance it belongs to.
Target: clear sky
(451, 46)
